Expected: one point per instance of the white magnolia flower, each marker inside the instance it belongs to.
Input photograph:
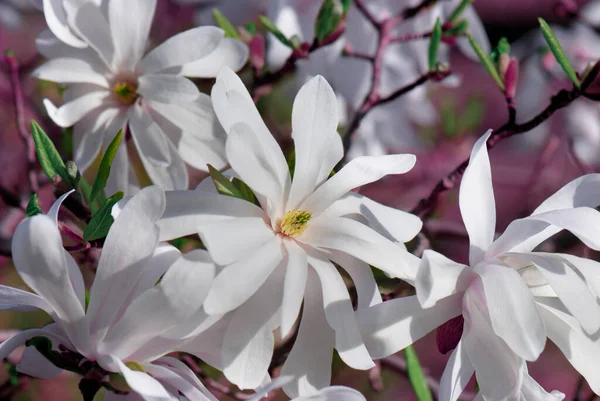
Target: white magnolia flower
(112, 85)
(125, 326)
(333, 393)
(309, 220)
(510, 297)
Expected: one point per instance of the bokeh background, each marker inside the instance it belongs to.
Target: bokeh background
(525, 169)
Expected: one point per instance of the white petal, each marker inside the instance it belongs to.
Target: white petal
(129, 27)
(231, 53)
(120, 264)
(238, 281)
(394, 224)
(363, 243)
(22, 301)
(14, 342)
(173, 300)
(34, 364)
(499, 371)
(184, 371)
(439, 277)
(167, 88)
(88, 135)
(317, 142)
(581, 350)
(515, 318)
(149, 138)
(183, 48)
(248, 342)
(142, 383)
(91, 24)
(367, 290)
(476, 200)
(41, 262)
(188, 210)
(258, 168)
(589, 269)
(70, 70)
(533, 391)
(393, 325)
(309, 362)
(581, 222)
(293, 288)
(340, 314)
(58, 24)
(359, 171)
(273, 385)
(570, 288)
(231, 240)
(73, 111)
(456, 375)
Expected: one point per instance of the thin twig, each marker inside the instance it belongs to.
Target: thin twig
(562, 99)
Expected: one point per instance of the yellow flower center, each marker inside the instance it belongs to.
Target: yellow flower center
(294, 222)
(126, 92)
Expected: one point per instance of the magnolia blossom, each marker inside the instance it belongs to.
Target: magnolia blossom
(542, 77)
(390, 126)
(125, 326)
(265, 250)
(511, 298)
(112, 85)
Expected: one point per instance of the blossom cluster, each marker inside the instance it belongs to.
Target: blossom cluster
(285, 248)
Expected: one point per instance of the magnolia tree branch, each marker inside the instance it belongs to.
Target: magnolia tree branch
(385, 30)
(561, 100)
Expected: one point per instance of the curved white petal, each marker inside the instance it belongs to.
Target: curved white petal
(393, 325)
(140, 382)
(183, 48)
(73, 111)
(359, 171)
(340, 314)
(239, 281)
(363, 243)
(14, 342)
(149, 138)
(456, 375)
(130, 23)
(89, 134)
(131, 240)
(296, 271)
(167, 88)
(439, 277)
(309, 361)
(476, 200)
(367, 290)
(22, 301)
(186, 211)
(334, 393)
(231, 53)
(57, 21)
(90, 23)
(69, 71)
(317, 143)
(232, 240)
(513, 313)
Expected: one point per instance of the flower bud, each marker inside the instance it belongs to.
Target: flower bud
(511, 77)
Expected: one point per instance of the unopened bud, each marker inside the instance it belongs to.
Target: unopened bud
(257, 52)
(503, 62)
(511, 77)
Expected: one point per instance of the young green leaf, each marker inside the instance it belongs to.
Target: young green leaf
(487, 62)
(33, 207)
(244, 189)
(559, 53)
(101, 220)
(105, 165)
(329, 18)
(48, 156)
(222, 183)
(503, 47)
(459, 9)
(434, 44)
(416, 375)
(251, 28)
(270, 26)
(224, 24)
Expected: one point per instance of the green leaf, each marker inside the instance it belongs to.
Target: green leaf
(224, 24)
(223, 185)
(416, 375)
(503, 47)
(331, 14)
(101, 220)
(270, 26)
(105, 165)
(48, 156)
(487, 62)
(458, 28)
(33, 207)
(244, 189)
(251, 28)
(559, 53)
(434, 44)
(459, 9)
